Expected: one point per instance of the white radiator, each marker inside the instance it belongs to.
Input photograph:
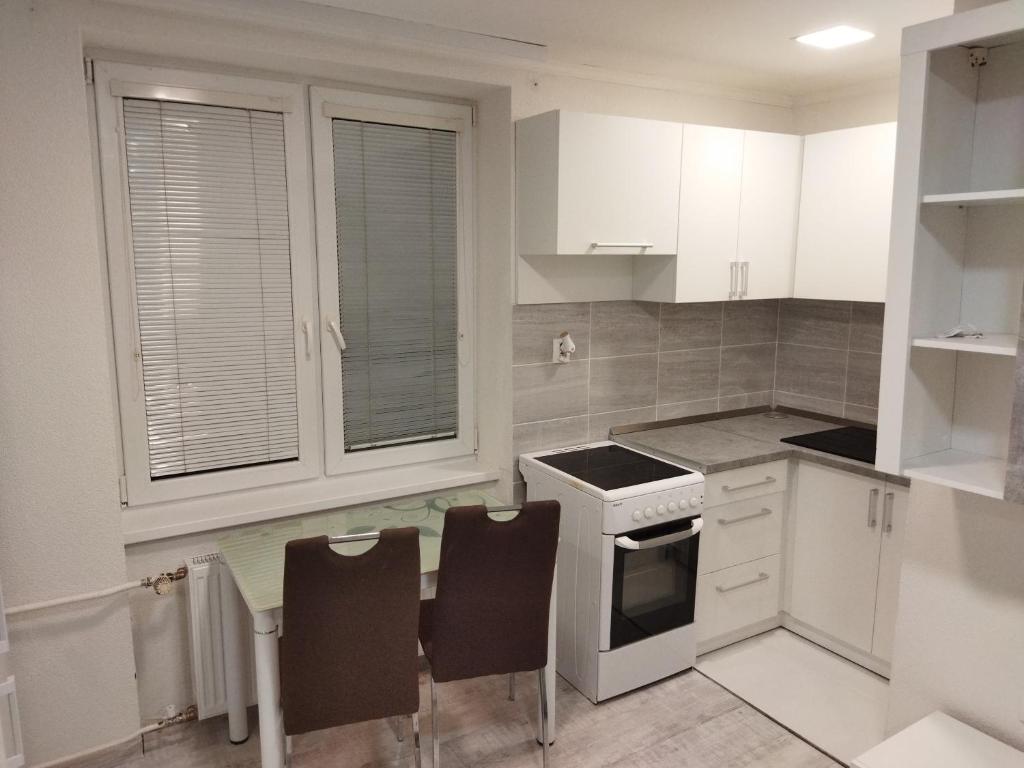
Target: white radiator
(12, 753)
(206, 632)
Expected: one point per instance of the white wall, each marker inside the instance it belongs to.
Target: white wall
(59, 509)
(960, 630)
(59, 514)
(864, 105)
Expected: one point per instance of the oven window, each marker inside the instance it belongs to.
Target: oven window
(653, 588)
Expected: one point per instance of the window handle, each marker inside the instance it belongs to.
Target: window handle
(336, 333)
(307, 333)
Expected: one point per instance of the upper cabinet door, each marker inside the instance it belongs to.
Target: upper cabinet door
(845, 209)
(709, 205)
(769, 204)
(597, 184)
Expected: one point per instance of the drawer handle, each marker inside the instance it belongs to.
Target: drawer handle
(762, 576)
(768, 480)
(729, 521)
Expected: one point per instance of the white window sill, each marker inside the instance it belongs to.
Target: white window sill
(162, 521)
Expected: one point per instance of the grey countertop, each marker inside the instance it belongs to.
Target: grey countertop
(730, 442)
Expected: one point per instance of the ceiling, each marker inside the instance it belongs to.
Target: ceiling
(743, 44)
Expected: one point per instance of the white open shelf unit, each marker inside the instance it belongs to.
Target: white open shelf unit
(957, 253)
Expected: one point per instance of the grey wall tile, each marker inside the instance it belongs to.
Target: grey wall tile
(805, 403)
(866, 326)
(749, 368)
(549, 391)
(535, 325)
(540, 435)
(748, 400)
(815, 323)
(861, 413)
(688, 374)
(863, 372)
(812, 371)
(623, 328)
(600, 423)
(691, 326)
(621, 383)
(682, 410)
(750, 322)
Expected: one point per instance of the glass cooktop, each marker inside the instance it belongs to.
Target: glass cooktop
(856, 443)
(610, 467)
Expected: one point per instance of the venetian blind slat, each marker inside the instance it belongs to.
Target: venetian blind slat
(209, 213)
(396, 203)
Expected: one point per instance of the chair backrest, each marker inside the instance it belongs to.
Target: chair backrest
(348, 652)
(490, 615)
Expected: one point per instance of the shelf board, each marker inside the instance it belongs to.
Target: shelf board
(990, 344)
(971, 472)
(989, 197)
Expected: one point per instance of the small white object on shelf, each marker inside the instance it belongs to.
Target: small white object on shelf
(964, 471)
(993, 344)
(940, 741)
(988, 197)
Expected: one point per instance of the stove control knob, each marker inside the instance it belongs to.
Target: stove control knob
(661, 509)
(673, 507)
(648, 513)
(694, 501)
(638, 515)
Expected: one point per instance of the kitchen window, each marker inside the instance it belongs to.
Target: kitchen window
(230, 376)
(392, 182)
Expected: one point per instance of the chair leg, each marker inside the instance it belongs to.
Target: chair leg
(435, 727)
(512, 687)
(543, 693)
(416, 739)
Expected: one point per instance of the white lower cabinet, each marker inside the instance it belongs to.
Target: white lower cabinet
(737, 597)
(740, 532)
(845, 559)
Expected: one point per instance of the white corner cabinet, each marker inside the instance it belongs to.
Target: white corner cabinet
(948, 407)
(846, 540)
(842, 248)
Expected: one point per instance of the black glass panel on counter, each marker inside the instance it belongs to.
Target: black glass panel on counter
(856, 443)
(610, 467)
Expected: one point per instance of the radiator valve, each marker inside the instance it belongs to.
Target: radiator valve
(162, 584)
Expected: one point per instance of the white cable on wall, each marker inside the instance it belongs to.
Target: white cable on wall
(74, 598)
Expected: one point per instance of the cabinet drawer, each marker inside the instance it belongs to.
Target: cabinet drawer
(736, 597)
(745, 483)
(741, 531)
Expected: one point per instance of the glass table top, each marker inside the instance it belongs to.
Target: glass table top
(256, 555)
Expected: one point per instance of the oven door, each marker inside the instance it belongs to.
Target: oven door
(650, 582)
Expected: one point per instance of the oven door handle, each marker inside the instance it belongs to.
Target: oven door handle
(627, 543)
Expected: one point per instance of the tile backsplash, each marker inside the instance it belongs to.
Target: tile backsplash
(642, 361)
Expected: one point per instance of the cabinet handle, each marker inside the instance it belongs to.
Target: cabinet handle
(887, 512)
(753, 515)
(767, 481)
(745, 274)
(873, 508)
(762, 576)
(732, 279)
(622, 245)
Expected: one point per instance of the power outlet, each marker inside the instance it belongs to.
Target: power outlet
(170, 711)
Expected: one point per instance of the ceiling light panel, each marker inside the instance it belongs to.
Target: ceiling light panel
(835, 37)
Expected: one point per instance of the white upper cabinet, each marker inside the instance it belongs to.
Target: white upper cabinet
(596, 184)
(709, 206)
(845, 211)
(769, 204)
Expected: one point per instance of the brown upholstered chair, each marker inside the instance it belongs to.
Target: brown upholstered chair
(490, 614)
(348, 651)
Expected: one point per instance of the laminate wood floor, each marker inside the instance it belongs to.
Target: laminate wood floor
(686, 721)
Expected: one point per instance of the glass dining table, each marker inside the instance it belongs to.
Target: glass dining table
(255, 560)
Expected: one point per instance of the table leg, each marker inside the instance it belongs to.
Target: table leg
(549, 670)
(236, 657)
(268, 690)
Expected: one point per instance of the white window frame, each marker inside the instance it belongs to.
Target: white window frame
(113, 83)
(325, 105)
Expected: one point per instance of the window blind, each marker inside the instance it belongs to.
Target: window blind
(209, 219)
(396, 206)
